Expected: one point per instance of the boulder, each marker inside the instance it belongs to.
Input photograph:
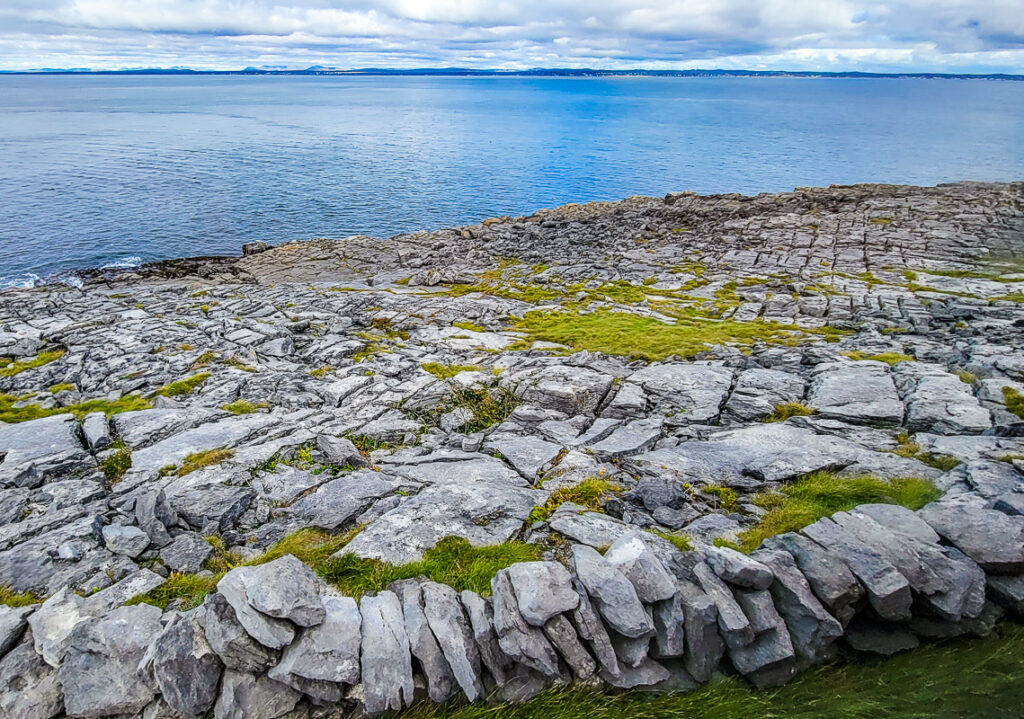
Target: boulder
(96, 431)
(737, 568)
(769, 660)
(517, 638)
(385, 657)
(563, 637)
(28, 686)
(13, 621)
(613, 594)
(570, 390)
(630, 555)
(543, 590)
(733, 624)
(451, 628)
(248, 696)
(98, 673)
(592, 630)
(757, 391)
(40, 449)
(828, 576)
(481, 621)
(690, 392)
(188, 553)
(422, 643)
(229, 639)
(184, 666)
(992, 539)
(340, 451)
(126, 540)
(704, 646)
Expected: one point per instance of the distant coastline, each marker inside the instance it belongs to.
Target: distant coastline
(540, 72)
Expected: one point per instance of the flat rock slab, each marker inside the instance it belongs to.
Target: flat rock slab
(992, 539)
(689, 392)
(35, 449)
(856, 392)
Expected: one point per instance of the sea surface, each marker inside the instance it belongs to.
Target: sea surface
(117, 170)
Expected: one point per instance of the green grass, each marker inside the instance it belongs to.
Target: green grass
(447, 371)
(243, 406)
(680, 541)
(822, 494)
(11, 598)
(453, 561)
(621, 333)
(587, 493)
(9, 368)
(912, 450)
(183, 387)
(789, 409)
(489, 405)
(1014, 401)
(12, 414)
(62, 387)
(469, 326)
(321, 371)
(1017, 297)
(725, 497)
(958, 679)
(971, 274)
(890, 358)
(200, 460)
(117, 464)
(965, 376)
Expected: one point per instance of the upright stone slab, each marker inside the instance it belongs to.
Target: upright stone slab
(422, 643)
(386, 659)
(518, 639)
(543, 590)
(448, 622)
(704, 645)
(613, 595)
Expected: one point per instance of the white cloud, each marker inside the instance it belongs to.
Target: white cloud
(876, 35)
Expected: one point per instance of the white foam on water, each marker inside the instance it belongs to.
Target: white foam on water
(123, 263)
(29, 279)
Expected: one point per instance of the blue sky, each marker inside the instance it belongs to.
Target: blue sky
(886, 36)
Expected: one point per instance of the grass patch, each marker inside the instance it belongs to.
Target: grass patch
(206, 458)
(1014, 401)
(1017, 297)
(958, 679)
(11, 598)
(890, 358)
(965, 376)
(679, 541)
(587, 493)
(789, 409)
(822, 494)
(912, 450)
(646, 338)
(321, 371)
(447, 371)
(183, 387)
(9, 367)
(10, 413)
(117, 464)
(489, 405)
(453, 561)
(243, 406)
(725, 497)
(62, 387)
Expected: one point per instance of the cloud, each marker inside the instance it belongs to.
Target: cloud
(901, 35)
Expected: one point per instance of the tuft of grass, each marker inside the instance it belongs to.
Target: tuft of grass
(912, 450)
(447, 371)
(321, 371)
(646, 338)
(957, 679)
(238, 364)
(204, 359)
(62, 387)
(11, 414)
(312, 546)
(117, 464)
(191, 589)
(9, 368)
(789, 409)
(489, 405)
(206, 458)
(822, 494)
(243, 406)
(453, 561)
(11, 598)
(679, 541)
(1017, 297)
(890, 358)
(183, 387)
(1014, 401)
(881, 220)
(587, 493)
(725, 497)
(965, 376)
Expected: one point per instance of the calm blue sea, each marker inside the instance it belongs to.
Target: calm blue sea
(100, 170)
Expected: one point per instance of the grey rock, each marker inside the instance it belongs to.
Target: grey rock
(422, 643)
(991, 479)
(591, 528)
(737, 568)
(154, 514)
(631, 651)
(828, 576)
(592, 630)
(98, 673)
(13, 621)
(669, 632)
(28, 686)
(126, 540)
(735, 627)
(96, 431)
(654, 493)
(887, 589)
(1008, 592)
(246, 696)
(481, 621)
(564, 638)
(757, 391)
(811, 628)
(451, 628)
(571, 390)
(55, 619)
(938, 401)
(704, 645)
(528, 455)
(856, 392)
(40, 448)
(229, 639)
(543, 590)
(188, 553)
(336, 504)
(629, 439)
(883, 638)
(769, 660)
(272, 633)
(278, 347)
(185, 668)
(340, 451)
(285, 589)
(642, 568)
(648, 673)
(992, 539)
(324, 658)
(385, 657)
(613, 595)
(900, 519)
(696, 391)
(517, 638)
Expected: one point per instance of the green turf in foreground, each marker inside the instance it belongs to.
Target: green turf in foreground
(962, 679)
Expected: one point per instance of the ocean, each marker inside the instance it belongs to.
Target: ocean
(115, 170)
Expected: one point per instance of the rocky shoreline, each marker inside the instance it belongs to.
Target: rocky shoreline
(689, 434)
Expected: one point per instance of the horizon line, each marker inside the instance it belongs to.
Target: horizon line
(553, 71)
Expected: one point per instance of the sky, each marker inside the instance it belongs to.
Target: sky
(816, 35)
